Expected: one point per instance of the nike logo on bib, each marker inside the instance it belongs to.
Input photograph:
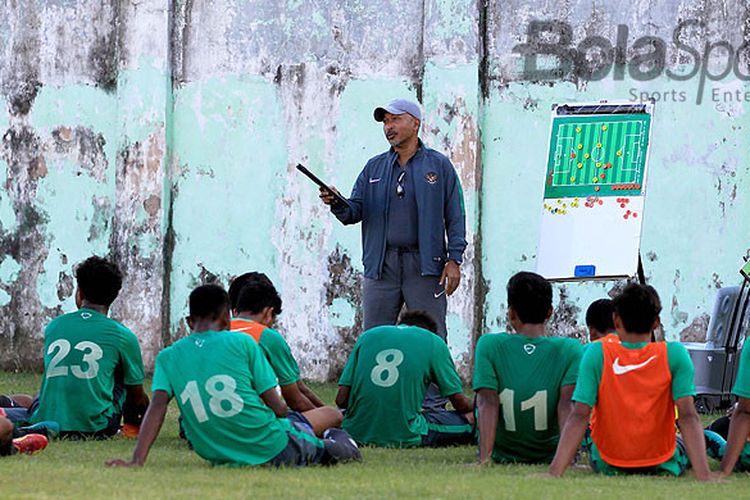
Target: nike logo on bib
(438, 294)
(623, 369)
(373, 181)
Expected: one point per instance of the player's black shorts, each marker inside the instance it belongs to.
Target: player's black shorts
(302, 449)
(447, 428)
(296, 417)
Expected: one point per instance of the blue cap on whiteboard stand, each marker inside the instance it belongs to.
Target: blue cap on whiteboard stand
(584, 271)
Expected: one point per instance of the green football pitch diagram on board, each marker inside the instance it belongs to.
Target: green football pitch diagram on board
(597, 155)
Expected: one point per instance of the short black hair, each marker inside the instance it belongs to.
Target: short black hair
(99, 280)
(235, 287)
(599, 315)
(530, 295)
(208, 302)
(256, 296)
(638, 306)
(422, 319)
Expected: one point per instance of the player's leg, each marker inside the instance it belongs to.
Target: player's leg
(16, 401)
(382, 299)
(716, 446)
(447, 428)
(321, 419)
(6, 436)
(720, 426)
(304, 448)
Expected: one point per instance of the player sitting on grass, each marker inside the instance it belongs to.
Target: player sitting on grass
(226, 393)
(384, 383)
(734, 453)
(28, 443)
(599, 321)
(93, 371)
(527, 377)
(633, 388)
(254, 313)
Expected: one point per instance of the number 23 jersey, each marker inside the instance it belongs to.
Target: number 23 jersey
(388, 371)
(85, 355)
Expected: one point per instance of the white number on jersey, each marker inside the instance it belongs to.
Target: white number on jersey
(61, 348)
(537, 402)
(385, 373)
(221, 388)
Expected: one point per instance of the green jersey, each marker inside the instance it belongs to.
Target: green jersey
(527, 373)
(217, 379)
(274, 347)
(742, 382)
(85, 355)
(388, 372)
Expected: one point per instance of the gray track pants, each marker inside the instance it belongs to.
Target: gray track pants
(402, 283)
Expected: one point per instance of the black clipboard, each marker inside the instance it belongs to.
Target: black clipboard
(339, 199)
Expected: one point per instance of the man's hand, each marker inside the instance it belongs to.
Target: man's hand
(122, 463)
(326, 195)
(451, 277)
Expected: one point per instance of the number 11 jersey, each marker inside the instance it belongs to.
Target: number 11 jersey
(388, 372)
(527, 373)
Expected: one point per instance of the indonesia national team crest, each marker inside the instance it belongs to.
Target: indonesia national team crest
(529, 348)
(431, 177)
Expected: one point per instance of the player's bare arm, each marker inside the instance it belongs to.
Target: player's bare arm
(309, 394)
(461, 402)
(739, 429)
(692, 434)
(136, 404)
(565, 404)
(272, 399)
(295, 399)
(488, 406)
(342, 397)
(570, 439)
(150, 428)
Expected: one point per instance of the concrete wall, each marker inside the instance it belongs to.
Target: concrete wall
(165, 135)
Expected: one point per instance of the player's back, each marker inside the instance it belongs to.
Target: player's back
(217, 378)
(388, 371)
(86, 354)
(528, 373)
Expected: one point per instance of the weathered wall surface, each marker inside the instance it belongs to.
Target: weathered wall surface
(165, 135)
(82, 160)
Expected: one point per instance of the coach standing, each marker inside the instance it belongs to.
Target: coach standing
(411, 206)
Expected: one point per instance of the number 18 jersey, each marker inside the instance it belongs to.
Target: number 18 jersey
(217, 379)
(527, 373)
(388, 372)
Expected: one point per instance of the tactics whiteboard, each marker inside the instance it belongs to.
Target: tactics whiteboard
(594, 191)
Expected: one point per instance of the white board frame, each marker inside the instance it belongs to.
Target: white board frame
(596, 237)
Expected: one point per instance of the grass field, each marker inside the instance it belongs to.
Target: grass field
(76, 469)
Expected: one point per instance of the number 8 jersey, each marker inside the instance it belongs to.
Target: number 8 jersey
(527, 373)
(85, 355)
(388, 372)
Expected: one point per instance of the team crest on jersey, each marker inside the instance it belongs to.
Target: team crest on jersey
(85, 315)
(529, 348)
(431, 177)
